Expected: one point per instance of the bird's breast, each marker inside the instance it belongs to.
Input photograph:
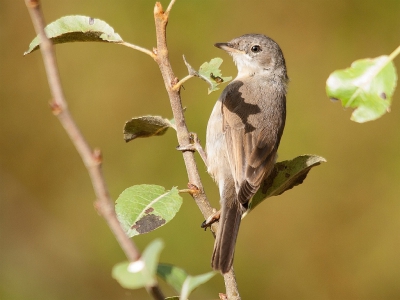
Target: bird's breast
(217, 163)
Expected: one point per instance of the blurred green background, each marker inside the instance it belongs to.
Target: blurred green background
(337, 236)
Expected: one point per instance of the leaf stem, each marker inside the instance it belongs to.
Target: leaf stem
(177, 86)
(91, 158)
(141, 49)
(396, 52)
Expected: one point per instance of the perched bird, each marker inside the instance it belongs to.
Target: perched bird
(243, 133)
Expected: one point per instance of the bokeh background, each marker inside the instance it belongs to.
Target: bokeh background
(337, 236)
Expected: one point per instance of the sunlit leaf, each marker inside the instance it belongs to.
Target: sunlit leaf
(210, 72)
(146, 126)
(285, 176)
(368, 86)
(77, 29)
(135, 275)
(143, 208)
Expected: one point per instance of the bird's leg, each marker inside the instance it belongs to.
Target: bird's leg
(214, 217)
(194, 146)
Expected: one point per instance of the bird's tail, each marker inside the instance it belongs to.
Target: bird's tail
(224, 247)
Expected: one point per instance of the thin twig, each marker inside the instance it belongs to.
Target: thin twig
(183, 135)
(92, 159)
(170, 7)
(141, 49)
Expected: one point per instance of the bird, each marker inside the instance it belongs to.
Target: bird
(244, 132)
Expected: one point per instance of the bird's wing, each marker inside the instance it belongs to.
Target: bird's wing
(252, 128)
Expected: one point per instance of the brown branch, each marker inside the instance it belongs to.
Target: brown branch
(183, 135)
(92, 159)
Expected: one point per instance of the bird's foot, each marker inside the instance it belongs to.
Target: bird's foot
(214, 217)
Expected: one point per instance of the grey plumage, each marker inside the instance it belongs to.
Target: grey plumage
(243, 133)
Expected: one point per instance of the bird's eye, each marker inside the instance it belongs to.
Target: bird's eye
(255, 49)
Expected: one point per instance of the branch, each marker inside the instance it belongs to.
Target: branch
(92, 159)
(183, 135)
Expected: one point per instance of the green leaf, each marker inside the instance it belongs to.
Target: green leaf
(146, 126)
(209, 72)
(193, 282)
(172, 298)
(368, 86)
(135, 275)
(77, 29)
(143, 208)
(180, 280)
(285, 176)
(172, 275)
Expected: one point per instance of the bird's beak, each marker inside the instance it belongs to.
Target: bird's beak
(228, 48)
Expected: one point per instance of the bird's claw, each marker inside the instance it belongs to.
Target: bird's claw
(214, 217)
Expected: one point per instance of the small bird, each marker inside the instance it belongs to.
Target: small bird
(243, 133)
